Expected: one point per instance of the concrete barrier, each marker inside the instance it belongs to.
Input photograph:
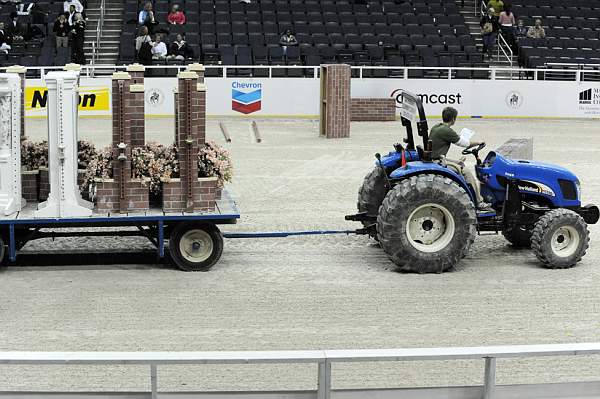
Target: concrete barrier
(517, 148)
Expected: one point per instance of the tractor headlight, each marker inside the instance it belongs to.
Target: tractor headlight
(578, 187)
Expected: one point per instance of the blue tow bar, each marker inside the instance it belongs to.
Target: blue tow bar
(283, 234)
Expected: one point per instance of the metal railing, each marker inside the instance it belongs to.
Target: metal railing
(97, 44)
(358, 72)
(323, 358)
(505, 48)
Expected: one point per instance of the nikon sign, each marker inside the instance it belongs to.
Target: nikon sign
(94, 97)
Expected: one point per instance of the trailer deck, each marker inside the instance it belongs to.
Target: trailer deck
(155, 224)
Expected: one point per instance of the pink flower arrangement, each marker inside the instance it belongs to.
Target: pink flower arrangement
(215, 161)
(160, 163)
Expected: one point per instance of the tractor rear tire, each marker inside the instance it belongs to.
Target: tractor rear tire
(518, 237)
(560, 239)
(426, 224)
(371, 193)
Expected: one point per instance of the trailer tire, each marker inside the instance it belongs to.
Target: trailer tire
(518, 237)
(195, 247)
(560, 239)
(426, 224)
(371, 194)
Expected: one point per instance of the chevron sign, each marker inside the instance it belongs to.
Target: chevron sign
(246, 97)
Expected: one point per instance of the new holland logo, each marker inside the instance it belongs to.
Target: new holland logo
(246, 97)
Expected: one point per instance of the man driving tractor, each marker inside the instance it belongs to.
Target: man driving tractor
(442, 136)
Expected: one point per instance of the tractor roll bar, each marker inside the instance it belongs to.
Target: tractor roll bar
(412, 108)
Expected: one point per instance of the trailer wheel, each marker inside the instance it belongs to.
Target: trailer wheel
(195, 246)
(518, 237)
(426, 224)
(560, 238)
(371, 194)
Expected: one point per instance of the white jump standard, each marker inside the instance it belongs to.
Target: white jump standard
(64, 199)
(10, 144)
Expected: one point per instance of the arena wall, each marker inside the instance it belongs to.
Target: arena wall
(296, 97)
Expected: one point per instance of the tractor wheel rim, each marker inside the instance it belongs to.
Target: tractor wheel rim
(430, 228)
(196, 246)
(565, 241)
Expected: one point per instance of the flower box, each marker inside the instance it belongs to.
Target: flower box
(174, 200)
(30, 185)
(107, 195)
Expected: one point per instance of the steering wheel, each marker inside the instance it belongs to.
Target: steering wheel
(473, 149)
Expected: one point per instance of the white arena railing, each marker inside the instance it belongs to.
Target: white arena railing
(585, 72)
(324, 359)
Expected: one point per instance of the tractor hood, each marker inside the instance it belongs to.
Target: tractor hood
(557, 184)
(525, 169)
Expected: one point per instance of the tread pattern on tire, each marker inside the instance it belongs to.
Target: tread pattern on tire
(391, 226)
(371, 193)
(543, 228)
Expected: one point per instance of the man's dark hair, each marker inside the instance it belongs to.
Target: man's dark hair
(449, 114)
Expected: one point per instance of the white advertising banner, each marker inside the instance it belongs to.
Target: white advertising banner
(493, 98)
(298, 97)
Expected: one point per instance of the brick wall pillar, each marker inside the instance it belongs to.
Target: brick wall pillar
(132, 196)
(21, 71)
(201, 88)
(138, 134)
(335, 101)
(188, 134)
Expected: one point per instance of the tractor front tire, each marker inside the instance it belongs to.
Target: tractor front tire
(518, 236)
(426, 224)
(560, 239)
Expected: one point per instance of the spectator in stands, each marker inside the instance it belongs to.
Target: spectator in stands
(71, 15)
(180, 50)
(15, 29)
(146, 17)
(159, 49)
(77, 40)
(507, 25)
(489, 31)
(521, 29)
(537, 31)
(68, 3)
(61, 30)
(176, 17)
(5, 40)
(143, 46)
(288, 39)
(497, 5)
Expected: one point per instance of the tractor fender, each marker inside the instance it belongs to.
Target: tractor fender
(393, 159)
(419, 168)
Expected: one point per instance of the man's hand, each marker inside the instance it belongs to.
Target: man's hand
(476, 143)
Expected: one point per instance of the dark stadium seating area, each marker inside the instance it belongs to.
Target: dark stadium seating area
(36, 51)
(418, 33)
(572, 32)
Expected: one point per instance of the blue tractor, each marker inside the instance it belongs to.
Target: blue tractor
(423, 213)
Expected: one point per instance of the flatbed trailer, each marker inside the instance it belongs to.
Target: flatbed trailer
(195, 240)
